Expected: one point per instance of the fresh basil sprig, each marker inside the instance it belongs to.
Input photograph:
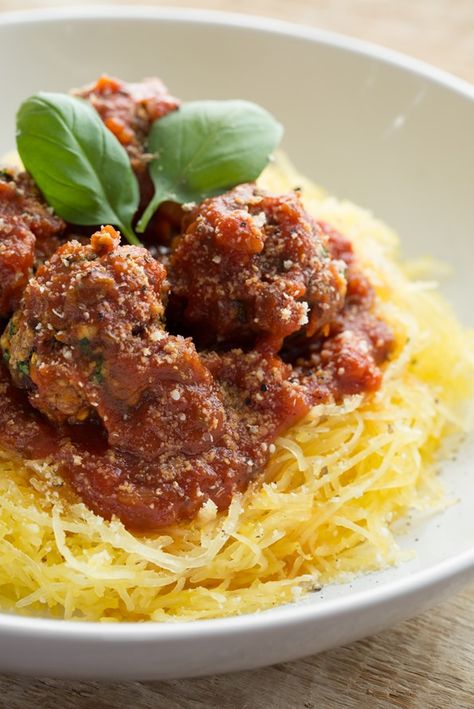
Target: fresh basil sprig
(79, 165)
(206, 148)
(85, 174)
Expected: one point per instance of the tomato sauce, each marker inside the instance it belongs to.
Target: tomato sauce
(262, 394)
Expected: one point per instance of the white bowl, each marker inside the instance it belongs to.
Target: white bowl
(383, 130)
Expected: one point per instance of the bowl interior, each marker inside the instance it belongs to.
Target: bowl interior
(386, 135)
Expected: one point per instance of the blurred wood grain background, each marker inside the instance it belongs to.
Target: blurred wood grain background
(422, 663)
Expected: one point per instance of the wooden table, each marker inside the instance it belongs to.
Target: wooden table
(425, 662)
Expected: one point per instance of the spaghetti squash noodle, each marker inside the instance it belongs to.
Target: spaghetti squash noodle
(324, 509)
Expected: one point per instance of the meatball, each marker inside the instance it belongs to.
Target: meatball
(128, 110)
(254, 266)
(29, 232)
(88, 343)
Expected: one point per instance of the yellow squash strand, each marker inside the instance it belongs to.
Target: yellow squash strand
(323, 510)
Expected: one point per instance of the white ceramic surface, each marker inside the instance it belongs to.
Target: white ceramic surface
(384, 130)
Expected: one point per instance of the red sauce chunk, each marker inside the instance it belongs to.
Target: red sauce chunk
(155, 389)
(129, 109)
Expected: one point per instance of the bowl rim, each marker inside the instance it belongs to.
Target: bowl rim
(455, 567)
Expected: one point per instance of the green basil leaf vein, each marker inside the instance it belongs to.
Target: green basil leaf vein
(80, 167)
(206, 148)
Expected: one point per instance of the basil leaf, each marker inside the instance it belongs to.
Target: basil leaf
(206, 148)
(80, 167)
